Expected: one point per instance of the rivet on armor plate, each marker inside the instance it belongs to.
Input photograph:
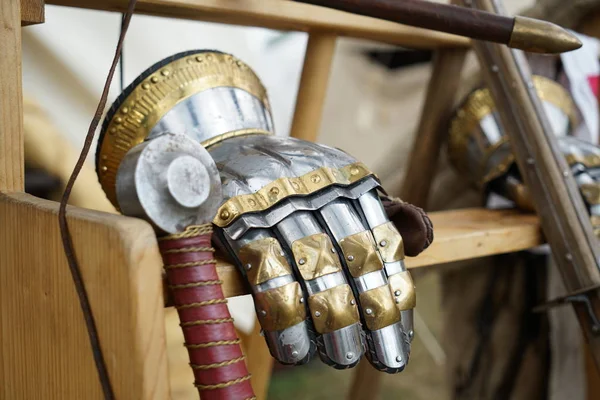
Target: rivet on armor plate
(118, 120)
(154, 79)
(361, 252)
(281, 306)
(404, 289)
(390, 242)
(334, 307)
(224, 214)
(124, 110)
(165, 72)
(313, 258)
(264, 255)
(350, 355)
(384, 311)
(145, 86)
(315, 178)
(295, 353)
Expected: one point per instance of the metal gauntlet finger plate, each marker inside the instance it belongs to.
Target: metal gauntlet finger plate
(361, 254)
(404, 290)
(263, 260)
(281, 307)
(389, 242)
(333, 309)
(378, 308)
(315, 256)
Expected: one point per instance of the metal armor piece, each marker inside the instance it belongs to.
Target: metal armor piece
(302, 221)
(479, 147)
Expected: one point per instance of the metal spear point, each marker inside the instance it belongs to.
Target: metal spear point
(523, 33)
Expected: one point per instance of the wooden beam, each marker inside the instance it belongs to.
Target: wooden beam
(11, 98)
(433, 127)
(43, 340)
(313, 86)
(459, 235)
(281, 15)
(32, 12)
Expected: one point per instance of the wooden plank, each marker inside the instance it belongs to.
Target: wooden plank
(313, 86)
(11, 98)
(43, 341)
(281, 15)
(433, 126)
(32, 12)
(258, 359)
(459, 235)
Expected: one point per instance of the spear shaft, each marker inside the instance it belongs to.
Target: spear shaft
(519, 32)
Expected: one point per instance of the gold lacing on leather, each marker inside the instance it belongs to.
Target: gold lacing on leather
(206, 322)
(196, 284)
(191, 264)
(201, 304)
(224, 384)
(212, 344)
(189, 250)
(217, 365)
(190, 231)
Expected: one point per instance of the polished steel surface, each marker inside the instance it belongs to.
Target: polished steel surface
(407, 323)
(213, 112)
(373, 209)
(395, 267)
(274, 283)
(290, 345)
(298, 225)
(325, 282)
(370, 281)
(170, 181)
(339, 345)
(391, 348)
(342, 219)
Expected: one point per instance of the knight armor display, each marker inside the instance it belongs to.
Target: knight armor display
(302, 221)
(479, 148)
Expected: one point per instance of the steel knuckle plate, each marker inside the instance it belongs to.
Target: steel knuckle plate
(332, 309)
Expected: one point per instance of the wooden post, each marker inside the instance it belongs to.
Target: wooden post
(11, 98)
(313, 86)
(439, 103)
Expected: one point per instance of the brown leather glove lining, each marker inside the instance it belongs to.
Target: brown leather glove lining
(412, 222)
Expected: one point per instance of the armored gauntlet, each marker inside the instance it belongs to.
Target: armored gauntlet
(479, 148)
(302, 221)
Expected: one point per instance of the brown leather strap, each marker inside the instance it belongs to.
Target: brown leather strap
(64, 228)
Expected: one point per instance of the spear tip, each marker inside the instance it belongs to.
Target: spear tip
(536, 36)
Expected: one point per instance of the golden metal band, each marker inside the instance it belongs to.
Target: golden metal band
(361, 254)
(403, 288)
(333, 309)
(282, 188)
(158, 94)
(480, 104)
(315, 256)
(263, 260)
(389, 242)
(281, 307)
(228, 135)
(379, 308)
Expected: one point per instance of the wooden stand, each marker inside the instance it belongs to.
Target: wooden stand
(41, 326)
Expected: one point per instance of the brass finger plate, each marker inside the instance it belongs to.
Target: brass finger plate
(332, 309)
(389, 242)
(379, 308)
(403, 289)
(263, 260)
(315, 256)
(280, 308)
(360, 254)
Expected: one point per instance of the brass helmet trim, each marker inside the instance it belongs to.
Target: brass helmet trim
(480, 104)
(154, 93)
